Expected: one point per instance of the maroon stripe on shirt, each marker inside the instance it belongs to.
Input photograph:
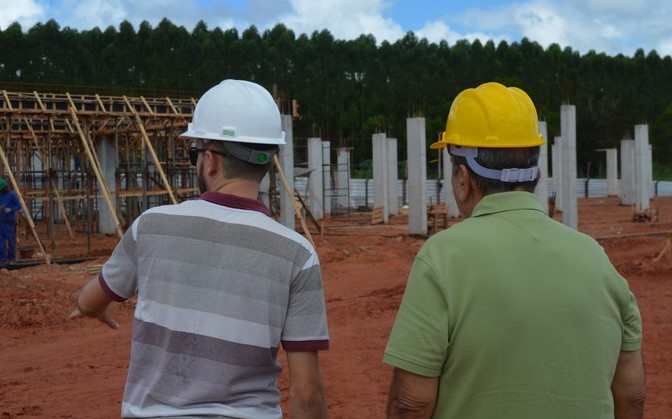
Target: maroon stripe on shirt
(305, 345)
(233, 201)
(108, 291)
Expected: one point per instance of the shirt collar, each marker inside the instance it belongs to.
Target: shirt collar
(235, 201)
(507, 201)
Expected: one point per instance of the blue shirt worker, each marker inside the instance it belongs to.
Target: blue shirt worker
(9, 206)
(220, 285)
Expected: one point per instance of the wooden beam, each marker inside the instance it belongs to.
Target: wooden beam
(148, 144)
(9, 103)
(99, 177)
(297, 211)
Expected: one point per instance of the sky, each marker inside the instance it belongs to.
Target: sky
(604, 26)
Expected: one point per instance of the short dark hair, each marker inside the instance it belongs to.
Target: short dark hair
(234, 167)
(499, 159)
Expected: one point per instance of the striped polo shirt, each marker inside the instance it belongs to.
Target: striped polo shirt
(220, 286)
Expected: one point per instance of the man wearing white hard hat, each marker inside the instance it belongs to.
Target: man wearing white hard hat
(220, 285)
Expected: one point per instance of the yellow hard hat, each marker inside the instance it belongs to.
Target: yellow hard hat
(492, 115)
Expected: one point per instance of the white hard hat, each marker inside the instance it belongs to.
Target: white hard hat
(237, 110)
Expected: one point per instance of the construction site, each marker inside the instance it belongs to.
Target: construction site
(85, 166)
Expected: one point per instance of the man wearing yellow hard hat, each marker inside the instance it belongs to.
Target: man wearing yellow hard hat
(510, 314)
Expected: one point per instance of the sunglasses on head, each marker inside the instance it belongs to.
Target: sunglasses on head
(193, 153)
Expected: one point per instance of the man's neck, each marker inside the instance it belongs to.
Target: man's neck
(238, 187)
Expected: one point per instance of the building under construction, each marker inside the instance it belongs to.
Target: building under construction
(91, 162)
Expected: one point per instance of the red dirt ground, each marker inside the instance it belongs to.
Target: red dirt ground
(53, 367)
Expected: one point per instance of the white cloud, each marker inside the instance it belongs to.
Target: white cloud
(438, 31)
(664, 47)
(345, 19)
(100, 13)
(26, 12)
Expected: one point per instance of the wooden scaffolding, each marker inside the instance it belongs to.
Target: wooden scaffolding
(48, 154)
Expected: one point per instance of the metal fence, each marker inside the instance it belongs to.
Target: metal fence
(361, 190)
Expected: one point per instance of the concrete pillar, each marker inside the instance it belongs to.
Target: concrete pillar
(380, 185)
(642, 168)
(343, 177)
(417, 175)
(627, 172)
(542, 186)
(448, 196)
(326, 177)
(286, 157)
(612, 172)
(568, 152)
(392, 177)
(557, 172)
(108, 165)
(315, 178)
(650, 163)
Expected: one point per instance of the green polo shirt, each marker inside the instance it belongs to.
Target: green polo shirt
(519, 316)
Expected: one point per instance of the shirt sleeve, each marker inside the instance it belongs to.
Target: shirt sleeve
(632, 326)
(305, 327)
(419, 342)
(15, 203)
(119, 276)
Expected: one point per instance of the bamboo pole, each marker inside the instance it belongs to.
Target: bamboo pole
(276, 161)
(61, 207)
(27, 216)
(148, 144)
(96, 171)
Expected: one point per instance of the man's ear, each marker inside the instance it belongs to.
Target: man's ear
(463, 184)
(212, 163)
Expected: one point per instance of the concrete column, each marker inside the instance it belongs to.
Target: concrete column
(108, 164)
(448, 196)
(642, 168)
(650, 163)
(612, 171)
(392, 177)
(542, 186)
(557, 172)
(627, 172)
(315, 178)
(343, 177)
(286, 157)
(568, 163)
(326, 176)
(417, 175)
(380, 186)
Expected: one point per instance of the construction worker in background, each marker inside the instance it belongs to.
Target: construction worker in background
(220, 285)
(510, 314)
(9, 206)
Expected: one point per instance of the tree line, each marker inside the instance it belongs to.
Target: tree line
(347, 90)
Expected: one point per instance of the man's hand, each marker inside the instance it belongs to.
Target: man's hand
(105, 316)
(92, 301)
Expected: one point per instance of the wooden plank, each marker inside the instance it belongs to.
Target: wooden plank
(297, 211)
(377, 216)
(308, 211)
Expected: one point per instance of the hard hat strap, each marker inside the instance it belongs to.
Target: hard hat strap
(248, 154)
(512, 175)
